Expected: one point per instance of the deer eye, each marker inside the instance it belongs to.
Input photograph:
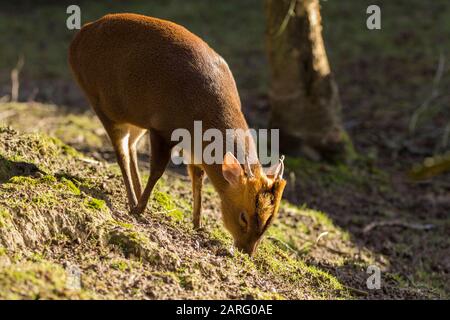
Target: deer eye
(243, 219)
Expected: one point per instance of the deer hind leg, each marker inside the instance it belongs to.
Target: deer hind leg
(135, 135)
(119, 134)
(197, 174)
(159, 158)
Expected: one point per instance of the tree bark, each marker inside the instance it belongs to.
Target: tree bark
(303, 94)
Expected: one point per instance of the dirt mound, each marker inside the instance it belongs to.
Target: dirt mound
(60, 210)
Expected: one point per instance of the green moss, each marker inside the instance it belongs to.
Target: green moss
(64, 184)
(37, 280)
(280, 264)
(168, 205)
(272, 259)
(430, 280)
(327, 173)
(220, 235)
(95, 204)
(70, 151)
(131, 242)
(120, 265)
(74, 128)
(48, 146)
(360, 173)
(45, 199)
(401, 282)
(186, 278)
(286, 239)
(321, 219)
(5, 218)
(78, 181)
(22, 180)
(324, 277)
(63, 148)
(163, 199)
(48, 179)
(276, 263)
(280, 231)
(176, 215)
(72, 187)
(169, 276)
(44, 145)
(37, 257)
(128, 226)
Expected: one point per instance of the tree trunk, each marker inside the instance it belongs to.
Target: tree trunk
(304, 96)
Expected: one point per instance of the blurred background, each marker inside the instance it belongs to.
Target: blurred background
(392, 81)
(387, 97)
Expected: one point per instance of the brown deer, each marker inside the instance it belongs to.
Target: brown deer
(145, 74)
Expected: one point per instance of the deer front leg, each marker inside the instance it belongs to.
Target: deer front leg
(160, 156)
(197, 175)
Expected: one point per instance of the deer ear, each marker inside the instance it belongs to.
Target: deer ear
(231, 168)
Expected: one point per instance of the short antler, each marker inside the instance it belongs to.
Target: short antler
(248, 169)
(280, 173)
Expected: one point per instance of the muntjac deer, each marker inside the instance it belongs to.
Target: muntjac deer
(145, 74)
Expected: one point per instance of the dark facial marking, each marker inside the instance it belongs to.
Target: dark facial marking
(264, 208)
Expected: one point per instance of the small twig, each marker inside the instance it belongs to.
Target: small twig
(323, 234)
(325, 246)
(286, 19)
(415, 226)
(361, 292)
(287, 246)
(87, 160)
(333, 250)
(434, 94)
(15, 84)
(298, 252)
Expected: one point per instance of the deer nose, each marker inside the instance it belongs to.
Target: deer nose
(248, 248)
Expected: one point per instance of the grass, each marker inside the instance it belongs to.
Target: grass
(387, 72)
(52, 203)
(37, 280)
(95, 204)
(5, 218)
(360, 173)
(236, 30)
(300, 256)
(81, 130)
(383, 76)
(169, 207)
(44, 42)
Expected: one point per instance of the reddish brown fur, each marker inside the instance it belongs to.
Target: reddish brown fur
(145, 74)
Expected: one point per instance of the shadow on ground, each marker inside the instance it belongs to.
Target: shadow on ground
(9, 169)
